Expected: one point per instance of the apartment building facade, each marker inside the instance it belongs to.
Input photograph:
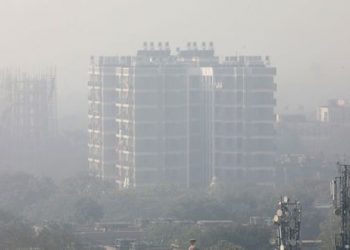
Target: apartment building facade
(182, 119)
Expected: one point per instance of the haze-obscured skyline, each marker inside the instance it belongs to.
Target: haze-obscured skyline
(308, 41)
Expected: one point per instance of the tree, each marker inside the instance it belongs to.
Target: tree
(87, 211)
(328, 230)
(16, 233)
(56, 236)
(20, 191)
(225, 245)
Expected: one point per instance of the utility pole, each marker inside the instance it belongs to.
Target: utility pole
(288, 221)
(341, 200)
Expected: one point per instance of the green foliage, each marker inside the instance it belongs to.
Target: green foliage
(225, 245)
(56, 236)
(199, 207)
(88, 211)
(329, 228)
(249, 237)
(85, 200)
(246, 237)
(16, 233)
(168, 233)
(20, 191)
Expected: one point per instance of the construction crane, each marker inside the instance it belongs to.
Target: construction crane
(341, 201)
(288, 221)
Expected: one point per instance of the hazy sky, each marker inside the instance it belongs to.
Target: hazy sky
(307, 40)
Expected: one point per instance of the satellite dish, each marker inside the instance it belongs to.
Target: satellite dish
(276, 219)
(285, 199)
(279, 212)
(293, 242)
(337, 211)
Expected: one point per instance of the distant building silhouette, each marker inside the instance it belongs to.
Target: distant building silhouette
(28, 116)
(337, 111)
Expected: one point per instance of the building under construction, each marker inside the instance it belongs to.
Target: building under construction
(181, 118)
(28, 114)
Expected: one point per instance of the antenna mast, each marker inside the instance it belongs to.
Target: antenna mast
(288, 221)
(341, 201)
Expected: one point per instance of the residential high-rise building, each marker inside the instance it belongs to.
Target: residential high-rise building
(180, 118)
(244, 119)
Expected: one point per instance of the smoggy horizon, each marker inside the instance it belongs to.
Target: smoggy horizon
(306, 41)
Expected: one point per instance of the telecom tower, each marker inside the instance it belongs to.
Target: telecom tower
(341, 200)
(288, 220)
